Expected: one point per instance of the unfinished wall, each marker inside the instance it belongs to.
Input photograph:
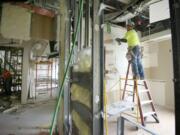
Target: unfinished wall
(42, 27)
(159, 72)
(157, 62)
(115, 62)
(15, 22)
(21, 23)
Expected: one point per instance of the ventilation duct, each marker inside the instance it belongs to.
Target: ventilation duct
(136, 9)
(125, 1)
(124, 17)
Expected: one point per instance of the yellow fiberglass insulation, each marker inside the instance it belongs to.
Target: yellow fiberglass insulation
(82, 127)
(81, 95)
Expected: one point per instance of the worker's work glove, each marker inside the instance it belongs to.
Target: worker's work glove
(118, 40)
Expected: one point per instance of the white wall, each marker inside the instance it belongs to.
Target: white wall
(119, 51)
(116, 63)
(158, 64)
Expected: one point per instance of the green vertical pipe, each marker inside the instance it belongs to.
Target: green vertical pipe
(65, 74)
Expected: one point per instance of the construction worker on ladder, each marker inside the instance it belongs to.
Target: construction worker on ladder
(134, 54)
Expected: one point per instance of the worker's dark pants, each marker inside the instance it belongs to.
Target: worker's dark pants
(136, 62)
(7, 85)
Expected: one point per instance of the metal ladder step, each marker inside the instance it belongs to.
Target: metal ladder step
(140, 84)
(129, 91)
(146, 102)
(148, 114)
(143, 91)
(130, 84)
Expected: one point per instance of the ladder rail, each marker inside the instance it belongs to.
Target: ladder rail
(136, 93)
(149, 96)
(127, 73)
(139, 102)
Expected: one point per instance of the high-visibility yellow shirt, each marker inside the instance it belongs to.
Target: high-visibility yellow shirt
(132, 38)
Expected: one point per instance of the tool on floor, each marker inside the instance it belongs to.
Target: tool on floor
(140, 102)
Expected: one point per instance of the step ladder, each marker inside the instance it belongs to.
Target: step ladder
(140, 102)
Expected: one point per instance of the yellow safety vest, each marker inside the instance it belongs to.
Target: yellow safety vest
(132, 38)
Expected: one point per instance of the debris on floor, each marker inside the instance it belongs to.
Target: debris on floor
(9, 104)
(28, 119)
(12, 109)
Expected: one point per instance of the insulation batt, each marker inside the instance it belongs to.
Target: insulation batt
(80, 124)
(84, 61)
(81, 95)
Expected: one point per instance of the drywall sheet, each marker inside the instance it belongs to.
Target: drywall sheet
(159, 11)
(153, 59)
(150, 55)
(15, 22)
(157, 88)
(42, 27)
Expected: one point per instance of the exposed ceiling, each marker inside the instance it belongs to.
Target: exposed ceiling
(119, 11)
(47, 4)
(136, 11)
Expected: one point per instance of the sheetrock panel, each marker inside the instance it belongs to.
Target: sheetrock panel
(150, 55)
(15, 22)
(157, 88)
(42, 27)
(159, 11)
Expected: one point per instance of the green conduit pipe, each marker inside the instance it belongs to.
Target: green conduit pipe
(65, 74)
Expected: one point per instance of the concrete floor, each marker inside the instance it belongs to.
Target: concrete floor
(28, 120)
(165, 127)
(35, 118)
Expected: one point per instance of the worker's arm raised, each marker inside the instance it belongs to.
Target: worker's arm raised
(119, 40)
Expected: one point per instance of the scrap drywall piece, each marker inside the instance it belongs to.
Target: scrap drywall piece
(15, 22)
(12, 109)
